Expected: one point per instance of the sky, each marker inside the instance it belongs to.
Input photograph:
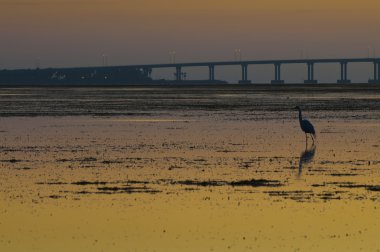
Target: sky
(59, 33)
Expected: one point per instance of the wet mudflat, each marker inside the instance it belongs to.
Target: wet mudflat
(189, 168)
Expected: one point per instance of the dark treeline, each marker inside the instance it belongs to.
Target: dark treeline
(75, 76)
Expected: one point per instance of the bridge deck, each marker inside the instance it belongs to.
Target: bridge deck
(245, 62)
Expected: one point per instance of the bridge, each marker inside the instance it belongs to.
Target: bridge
(309, 63)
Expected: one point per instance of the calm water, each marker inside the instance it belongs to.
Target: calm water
(189, 169)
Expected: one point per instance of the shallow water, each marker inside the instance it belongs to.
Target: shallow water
(193, 168)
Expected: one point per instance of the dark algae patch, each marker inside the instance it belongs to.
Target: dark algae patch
(55, 197)
(128, 189)
(24, 168)
(84, 183)
(257, 183)
(135, 186)
(329, 196)
(343, 174)
(373, 188)
(200, 183)
(12, 161)
(252, 183)
(298, 195)
(307, 195)
(103, 187)
(52, 183)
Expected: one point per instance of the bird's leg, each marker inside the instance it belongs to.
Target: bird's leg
(306, 138)
(306, 145)
(312, 137)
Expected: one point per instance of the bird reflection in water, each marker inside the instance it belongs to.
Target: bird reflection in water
(306, 157)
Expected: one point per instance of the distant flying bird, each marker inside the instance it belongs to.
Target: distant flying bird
(306, 126)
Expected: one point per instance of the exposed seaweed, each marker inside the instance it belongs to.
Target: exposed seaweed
(257, 183)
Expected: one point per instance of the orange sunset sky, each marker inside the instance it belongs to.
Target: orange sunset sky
(78, 32)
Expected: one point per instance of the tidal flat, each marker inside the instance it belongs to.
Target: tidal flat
(189, 168)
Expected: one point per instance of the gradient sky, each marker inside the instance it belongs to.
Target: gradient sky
(77, 32)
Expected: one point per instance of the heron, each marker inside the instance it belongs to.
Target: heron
(306, 126)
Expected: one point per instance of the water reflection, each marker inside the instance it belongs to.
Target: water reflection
(306, 157)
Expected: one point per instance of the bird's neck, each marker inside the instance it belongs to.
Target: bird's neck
(300, 115)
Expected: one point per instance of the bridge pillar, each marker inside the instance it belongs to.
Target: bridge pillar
(310, 74)
(343, 73)
(376, 73)
(178, 73)
(244, 75)
(211, 73)
(277, 74)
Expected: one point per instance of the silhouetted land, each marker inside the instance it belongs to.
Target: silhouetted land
(77, 76)
(86, 77)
